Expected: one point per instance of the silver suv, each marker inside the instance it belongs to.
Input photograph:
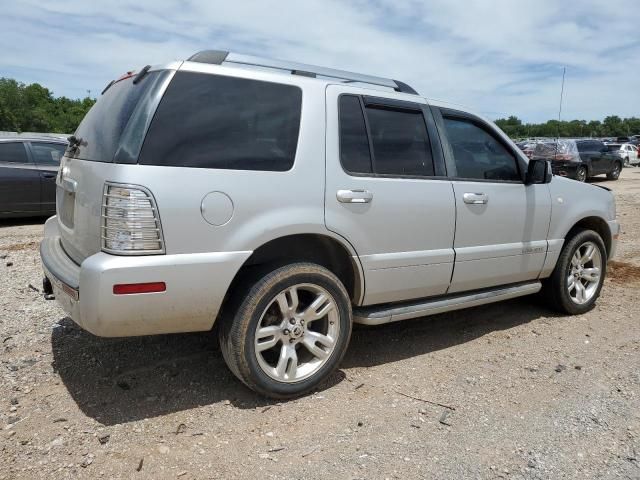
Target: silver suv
(285, 202)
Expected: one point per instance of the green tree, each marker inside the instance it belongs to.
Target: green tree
(33, 108)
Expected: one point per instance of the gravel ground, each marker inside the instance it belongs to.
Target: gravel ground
(510, 390)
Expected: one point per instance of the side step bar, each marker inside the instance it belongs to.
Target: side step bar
(376, 315)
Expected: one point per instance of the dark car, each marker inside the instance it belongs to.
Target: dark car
(579, 159)
(28, 170)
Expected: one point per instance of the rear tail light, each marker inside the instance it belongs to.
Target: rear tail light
(130, 221)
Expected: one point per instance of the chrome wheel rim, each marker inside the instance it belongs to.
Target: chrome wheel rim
(582, 174)
(297, 333)
(585, 271)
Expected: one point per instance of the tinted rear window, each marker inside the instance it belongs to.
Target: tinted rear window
(214, 121)
(101, 129)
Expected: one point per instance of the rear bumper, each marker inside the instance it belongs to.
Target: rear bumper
(195, 288)
(565, 169)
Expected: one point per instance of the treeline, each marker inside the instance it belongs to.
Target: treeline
(33, 108)
(611, 126)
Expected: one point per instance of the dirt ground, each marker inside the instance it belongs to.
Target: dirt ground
(510, 390)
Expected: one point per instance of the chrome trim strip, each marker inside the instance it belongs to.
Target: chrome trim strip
(388, 314)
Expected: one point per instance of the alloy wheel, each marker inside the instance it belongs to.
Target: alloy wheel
(297, 333)
(585, 270)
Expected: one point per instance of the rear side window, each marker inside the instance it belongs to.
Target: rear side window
(400, 142)
(354, 144)
(478, 154)
(102, 127)
(13, 152)
(47, 153)
(398, 137)
(213, 121)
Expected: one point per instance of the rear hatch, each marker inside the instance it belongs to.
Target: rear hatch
(109, 137)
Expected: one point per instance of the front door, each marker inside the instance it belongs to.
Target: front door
(386, 193)
(502, 224)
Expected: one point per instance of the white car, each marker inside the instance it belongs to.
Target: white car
(626, 151)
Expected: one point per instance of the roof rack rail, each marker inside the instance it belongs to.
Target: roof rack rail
(218, 57)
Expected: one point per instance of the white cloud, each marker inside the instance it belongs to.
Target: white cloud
(499, 57)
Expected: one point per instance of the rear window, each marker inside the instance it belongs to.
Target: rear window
(214, 121)
(613, 148)
(101, 129)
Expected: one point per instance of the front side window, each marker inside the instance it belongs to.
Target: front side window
(478, 154)
(214, 121)
(47, 153)
(13, 152)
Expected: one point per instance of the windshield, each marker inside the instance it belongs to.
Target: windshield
(101, 129)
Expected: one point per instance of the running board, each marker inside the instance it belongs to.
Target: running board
(376, 315)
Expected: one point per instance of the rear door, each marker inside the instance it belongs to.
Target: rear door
(501, 223)
(19, 180)
(47, 158)
(386, 193)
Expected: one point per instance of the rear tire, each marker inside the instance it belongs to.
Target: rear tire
(575, 284)
(289, 331)
(626, 162)
(615, 173)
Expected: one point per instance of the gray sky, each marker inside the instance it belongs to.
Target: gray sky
(499, 57)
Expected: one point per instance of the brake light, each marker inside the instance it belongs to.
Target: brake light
(130, 221)
(132, 288)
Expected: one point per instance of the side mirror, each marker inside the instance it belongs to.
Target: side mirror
(538, 171)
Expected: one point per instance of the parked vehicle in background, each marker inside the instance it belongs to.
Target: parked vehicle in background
(579, 159)
(286, 201)
(28, 169)
(627, 152)
(633, 139)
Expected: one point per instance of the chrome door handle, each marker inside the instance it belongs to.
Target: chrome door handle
(475, 198)
(354, 196)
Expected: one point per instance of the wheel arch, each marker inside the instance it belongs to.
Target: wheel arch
(595, 223)
(333, 253)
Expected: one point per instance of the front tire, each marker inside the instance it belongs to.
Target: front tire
(289, 331)
(581, 173)
(615, 173)
(575, 284)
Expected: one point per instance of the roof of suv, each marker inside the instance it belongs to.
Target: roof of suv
(220, 57)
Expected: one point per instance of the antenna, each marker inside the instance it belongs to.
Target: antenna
(564, 70)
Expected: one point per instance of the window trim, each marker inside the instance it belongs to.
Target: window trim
(27, 154)
(437, 156)
(440, 113)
